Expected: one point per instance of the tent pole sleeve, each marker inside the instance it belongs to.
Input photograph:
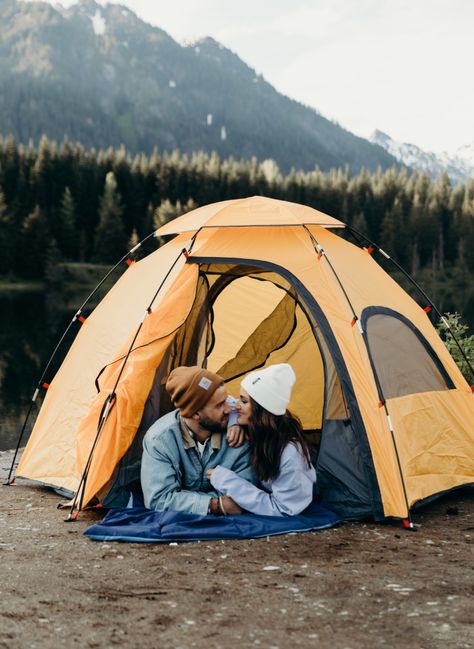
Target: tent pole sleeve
(361, 237)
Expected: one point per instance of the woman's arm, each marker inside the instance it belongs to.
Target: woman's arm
(292, 489)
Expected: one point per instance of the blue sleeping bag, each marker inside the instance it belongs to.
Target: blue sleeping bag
(141, 525)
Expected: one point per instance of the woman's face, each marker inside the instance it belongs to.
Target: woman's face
(244, 408)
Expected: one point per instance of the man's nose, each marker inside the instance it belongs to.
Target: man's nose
(226, 409)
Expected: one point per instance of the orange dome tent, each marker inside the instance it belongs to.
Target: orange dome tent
(244, 284)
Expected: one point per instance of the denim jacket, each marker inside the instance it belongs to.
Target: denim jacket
(173, 473)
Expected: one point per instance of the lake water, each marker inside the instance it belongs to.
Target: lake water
(31, 324)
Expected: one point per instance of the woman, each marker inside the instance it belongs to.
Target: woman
(280, 454)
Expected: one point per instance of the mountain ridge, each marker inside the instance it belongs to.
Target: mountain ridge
(459, 166)
(102, 76)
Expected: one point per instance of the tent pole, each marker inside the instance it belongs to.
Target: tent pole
(360, 237)
(322, 253)
(409, 521)
(111, 398)
(106, 408)
(77, 317)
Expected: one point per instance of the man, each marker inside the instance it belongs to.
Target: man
(181, 446)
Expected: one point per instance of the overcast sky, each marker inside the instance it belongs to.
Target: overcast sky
(402, 66)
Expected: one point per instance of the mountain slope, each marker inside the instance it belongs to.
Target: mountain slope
(104, 77)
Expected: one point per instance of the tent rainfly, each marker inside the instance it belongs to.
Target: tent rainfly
(243, 284)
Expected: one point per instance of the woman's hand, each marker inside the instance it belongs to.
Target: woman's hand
(235, 436)
(224, 506)
(229, 506)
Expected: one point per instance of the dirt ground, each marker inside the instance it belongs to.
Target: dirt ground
(356, 586)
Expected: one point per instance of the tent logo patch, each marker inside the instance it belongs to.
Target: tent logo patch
(205, 383)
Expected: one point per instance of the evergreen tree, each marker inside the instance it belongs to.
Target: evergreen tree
(35, 238)
(360, 224)
(110, 236)
(8, 239)
(393, 234)
(148, 227)
(52, 272)
(67, 236)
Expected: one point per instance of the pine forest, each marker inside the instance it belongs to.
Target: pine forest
(63, 204)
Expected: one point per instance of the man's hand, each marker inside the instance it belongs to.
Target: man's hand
(235, 436)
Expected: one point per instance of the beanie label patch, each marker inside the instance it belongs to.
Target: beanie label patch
(205, 383)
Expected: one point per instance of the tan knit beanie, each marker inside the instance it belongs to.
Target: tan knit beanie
(190, 388)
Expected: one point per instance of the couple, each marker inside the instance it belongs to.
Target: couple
(190, 464)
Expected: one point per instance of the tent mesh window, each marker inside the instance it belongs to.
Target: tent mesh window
(403, 360)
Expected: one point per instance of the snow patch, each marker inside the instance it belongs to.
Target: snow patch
(98, 23)
(223, 133)
(125, 43)
(124, 12)
(255, 80)
(209, 119)
(197, 50)
(171, 83)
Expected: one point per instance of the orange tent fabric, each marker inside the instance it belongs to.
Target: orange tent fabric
(394, 414)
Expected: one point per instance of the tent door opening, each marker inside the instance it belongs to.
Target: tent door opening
(246, 317)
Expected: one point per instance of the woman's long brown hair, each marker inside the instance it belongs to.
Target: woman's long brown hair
(269, 434)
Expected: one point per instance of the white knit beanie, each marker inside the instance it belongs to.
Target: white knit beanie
(271, 387)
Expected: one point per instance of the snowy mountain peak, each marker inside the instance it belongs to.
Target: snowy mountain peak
(459, 166)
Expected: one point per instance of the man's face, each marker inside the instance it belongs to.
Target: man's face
(215, 414)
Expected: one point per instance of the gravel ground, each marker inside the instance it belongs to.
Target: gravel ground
(356, 586)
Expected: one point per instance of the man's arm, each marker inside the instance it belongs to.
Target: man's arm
(161, 484)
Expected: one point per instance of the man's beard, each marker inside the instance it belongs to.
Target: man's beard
(211, 425)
